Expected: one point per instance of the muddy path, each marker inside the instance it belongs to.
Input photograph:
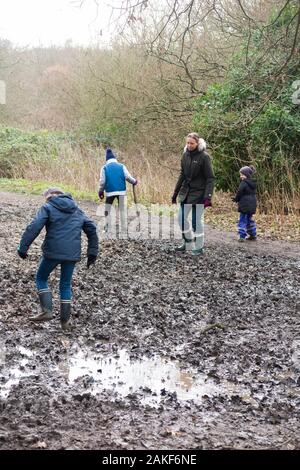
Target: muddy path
(168, 351)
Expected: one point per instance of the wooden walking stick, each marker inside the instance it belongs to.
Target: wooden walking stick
(138, 228)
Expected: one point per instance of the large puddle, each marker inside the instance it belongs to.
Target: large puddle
(152, 378)
(149, 380)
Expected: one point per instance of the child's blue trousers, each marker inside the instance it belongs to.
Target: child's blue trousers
(66, 272)
(246, 225)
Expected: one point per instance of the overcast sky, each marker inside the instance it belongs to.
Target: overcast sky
(52, 22)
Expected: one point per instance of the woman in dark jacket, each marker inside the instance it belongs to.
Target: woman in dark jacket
(195, 188)
(246, 199)
(64, 222)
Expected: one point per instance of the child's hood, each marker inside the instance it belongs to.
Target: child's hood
(64, 203)
(252, 183)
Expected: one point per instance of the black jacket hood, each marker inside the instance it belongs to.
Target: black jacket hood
(251, 183)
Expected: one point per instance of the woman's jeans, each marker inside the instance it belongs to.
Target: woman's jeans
(246, 225)
(197, 222)
(66, 272)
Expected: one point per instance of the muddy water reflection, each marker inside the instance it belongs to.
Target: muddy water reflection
(296, 353)
(2, 354)
(12, 376)
(152, 377)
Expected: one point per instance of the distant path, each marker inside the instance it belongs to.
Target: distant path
(213, 236)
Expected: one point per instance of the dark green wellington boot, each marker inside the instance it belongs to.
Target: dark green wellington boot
(45, 297)
(181, 248)
(198, 249)
(187, 243)
(65, 314)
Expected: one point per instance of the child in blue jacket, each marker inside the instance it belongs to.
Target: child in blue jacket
(64, 222)
(113, 177)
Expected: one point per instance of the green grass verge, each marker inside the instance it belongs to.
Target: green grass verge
(37, 187)
(24, 186)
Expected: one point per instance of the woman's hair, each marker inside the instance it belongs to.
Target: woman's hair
(200, 142)
(194, 135)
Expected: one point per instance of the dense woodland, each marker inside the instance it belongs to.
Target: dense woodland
(228, 69)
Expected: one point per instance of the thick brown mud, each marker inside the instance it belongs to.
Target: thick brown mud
(167, 351)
